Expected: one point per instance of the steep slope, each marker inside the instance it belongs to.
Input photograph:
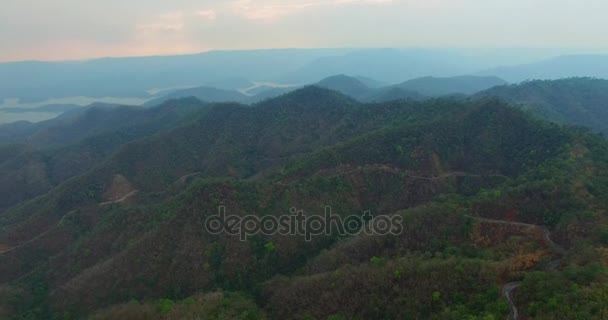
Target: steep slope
(53, 152)
(66, 128)
(576, 101)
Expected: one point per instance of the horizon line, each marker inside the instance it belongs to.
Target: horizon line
(583, 51)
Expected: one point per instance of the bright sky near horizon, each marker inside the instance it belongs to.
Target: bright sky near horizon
(79, 29)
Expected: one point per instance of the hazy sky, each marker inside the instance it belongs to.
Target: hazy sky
(75, 29)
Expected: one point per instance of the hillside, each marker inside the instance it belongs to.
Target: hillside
(68, 126)
(575, 101)
(45, 154)
(128, 236)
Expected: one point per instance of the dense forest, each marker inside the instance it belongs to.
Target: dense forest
(576, 101)
(102, 212)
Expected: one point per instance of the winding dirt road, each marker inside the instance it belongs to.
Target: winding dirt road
(49, 230)
(122, 199)
(507, 289)
(5, 248)
(458, 174)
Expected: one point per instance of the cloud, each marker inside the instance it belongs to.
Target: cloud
(165, 23)
(61, 29)
(270, 10)
(207, 14)
(363, 1)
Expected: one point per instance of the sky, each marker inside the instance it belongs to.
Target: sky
(83, 29)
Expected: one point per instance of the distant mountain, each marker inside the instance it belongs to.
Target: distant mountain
(258, 89)
(371, 83)
(467, 85)
(80, 123)
(22, 131)
(50, 108)
(356, 88)
(269, 93)
(388, 65)
(555, 68)
(391, 93)
(136, 77)
(230, 84)
(419, 88)
(208, 94)
(349, 86)
(575, 101)
(133, 76)
(53, 151)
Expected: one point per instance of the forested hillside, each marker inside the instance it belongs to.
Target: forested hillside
(434, 86)
(39, 156)
(418, 89)
(126, 238)
(575, 101)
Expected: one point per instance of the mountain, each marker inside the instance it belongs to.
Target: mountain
(419, 88)
(129, 236)
(392, 93)
(371, 83)
(230, 83)
(69, 126)
(269, 93)
(134, 76)
(208, 94)
(467, 85)
(142, 77)
(388, 65)
(51, 108)
(349, 86)
(575, 101)
(46, 154)
(555, 68)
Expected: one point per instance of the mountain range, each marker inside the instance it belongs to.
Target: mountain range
(139, 76)
(567, 66)
(103, 212)
(363, 89)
